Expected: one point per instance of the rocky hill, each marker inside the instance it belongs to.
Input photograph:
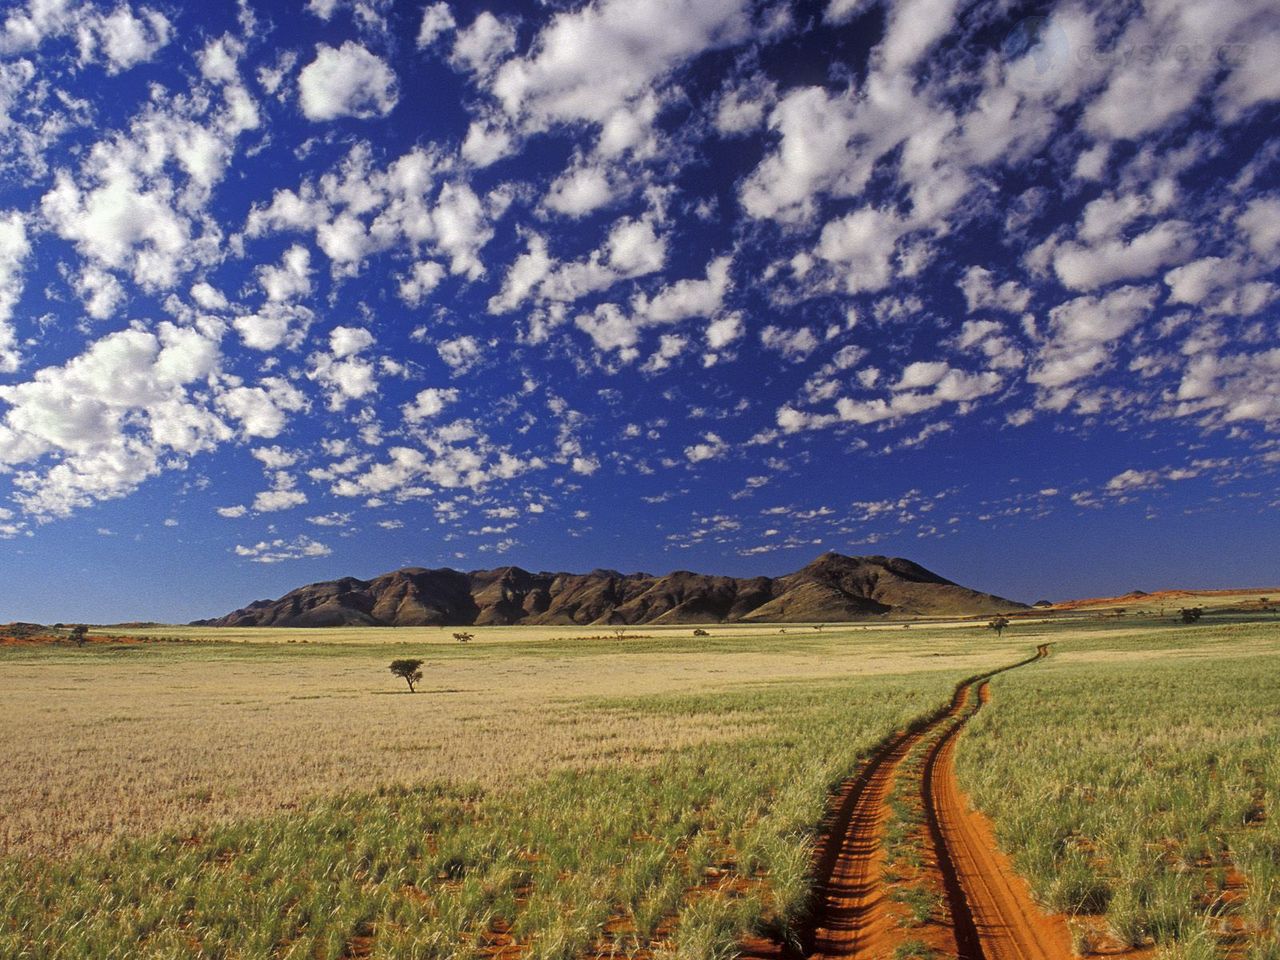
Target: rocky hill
(833, 588)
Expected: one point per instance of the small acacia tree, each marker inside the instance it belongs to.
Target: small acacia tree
(79, 633)
(409, 670)
(998, 624)
(1191, 614)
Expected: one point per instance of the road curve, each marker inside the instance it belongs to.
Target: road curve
(990, 912)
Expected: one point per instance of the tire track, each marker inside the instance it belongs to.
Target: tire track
(994, 915)
(991, 915)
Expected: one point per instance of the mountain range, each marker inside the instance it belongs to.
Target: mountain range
(832, 588)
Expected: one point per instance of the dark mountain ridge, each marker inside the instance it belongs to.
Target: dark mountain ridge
(832, 588)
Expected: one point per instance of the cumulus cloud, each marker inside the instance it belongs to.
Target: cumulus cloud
(579, 191)
(108, 417)
(346, 81)
(344, 374)
(712, 447)
(428, 403)
(437, 19)
(360, 210)
(14, 248)
(119, 40)
(280, 550)
(593, 63)
(795, 345)
(1084, 267)
(1082, 330)
(981, 292)
(481, 46)
(460, 353)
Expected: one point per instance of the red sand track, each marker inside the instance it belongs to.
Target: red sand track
(991, 914)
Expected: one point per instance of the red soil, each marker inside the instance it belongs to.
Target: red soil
(1159, 596)
(989, 912)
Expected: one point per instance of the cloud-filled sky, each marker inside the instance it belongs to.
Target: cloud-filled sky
(296, 290)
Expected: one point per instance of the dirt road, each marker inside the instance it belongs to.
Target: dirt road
(983, 908)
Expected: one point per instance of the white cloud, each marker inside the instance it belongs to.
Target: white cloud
(271, 501)
(724, 330)
(358, 210)
(437, 19)
(480, 47)
(122, 39)
(347, 81)
(1082, 329)
(208, 297)
(274, 324)
(592, 63)
(1177, 51)
(795, 345)
(914, 26)
(108, 416)
(232, 513)
(275, 457)
(742, 109)
(632, 249)
(262, 410)
(289, 280)
(279, 550)
(1082, 267)
(862, 244)
(982, 293)
(344, 375)
(712, 447)
(428, 403)
(579, 190)
(460, 353)
(1260, 223)
(348, 341)
(14, 248)
(688, 298)
(140, 193)
(422, 279)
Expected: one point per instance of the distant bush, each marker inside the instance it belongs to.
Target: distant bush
(1191, 614)
(409, 670)
(463, 637)
(701, 633)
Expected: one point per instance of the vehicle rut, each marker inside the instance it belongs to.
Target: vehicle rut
(989, 912)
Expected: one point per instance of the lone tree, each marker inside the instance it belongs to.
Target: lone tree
(79, 634)
(411, 670)
(998, 624)
(1191, 614)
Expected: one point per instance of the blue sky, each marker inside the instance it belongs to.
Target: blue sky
(291, 291)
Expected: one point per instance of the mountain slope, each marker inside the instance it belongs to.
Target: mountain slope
(832, 588)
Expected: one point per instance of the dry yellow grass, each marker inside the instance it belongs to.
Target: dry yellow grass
(117, 741)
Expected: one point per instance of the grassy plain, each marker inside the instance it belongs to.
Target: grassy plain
(121, 739)
(568, 793)
(1134, 776)
(650, 795)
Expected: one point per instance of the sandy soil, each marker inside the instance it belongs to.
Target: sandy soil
(989, 911)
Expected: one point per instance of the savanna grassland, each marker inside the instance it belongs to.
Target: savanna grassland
(251, 799)
(1133, 777)
(547, 794)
